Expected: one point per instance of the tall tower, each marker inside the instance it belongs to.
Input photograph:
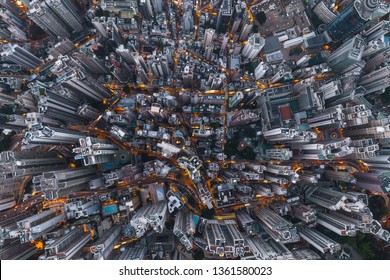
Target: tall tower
(20, 56)
(188, 76)
(146, 9)
(60, 183)
(10, 6)
(90, 61)
(95, 151)
(245, 29)
(253, 47)
(157, 6)
(224, 15)
(19, 164)
(67, 12)
(208, 36)
(100, 24)
(349, 54)
(353, 18)
(45, 18)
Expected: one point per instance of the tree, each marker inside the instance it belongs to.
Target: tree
(261, 18)
(378, 207)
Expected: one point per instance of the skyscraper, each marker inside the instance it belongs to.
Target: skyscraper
(224, 15)
(45, 18)
(208, 51)
(83, 84)
(245, 29)
(10, 6)
(101, 25)
(18, 164)
(325, 12)
(208, 36)
(347, 55)
(60, 183)
(6, 100)
(20, 56)
(157, 6)
(146, 9)
(253, 46)
(13, 122)
(188, 76)
(94, 151)
(353, 18)
(47, 135)
(90, 61)
(68, 245)
(279, 228)
(67, 12)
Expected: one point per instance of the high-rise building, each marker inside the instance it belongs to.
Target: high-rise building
(12, 122)
(184, 228)
(261, 249)
(29, 163)
(6, 100)
(347, 55)
(10, 6)
(153, 215)
(224, 15)
(82, 208)
(157, 6)
(209, 35)
(113, 33)
(188, 76)
(46, 18)
(130, 6)
(377, 31)
(279, 228)
(134, 252)
(243, 117)
(145, 7)
(47, 135)
(35, 226)
(188, 21)
(376, 81)
(125, 54)
(67, 12)
(67, 246)
(223, 237)
(58, 103)
(95, 151)
(20, 56)
(100, 24)
(104, 246)
(225, 40)
(337, 224)
(11, 18)
(358, 14)
(280, 154)
(319, 241)
(374, 182)
(327, 198)
(63, 47)
(87, 111)
(261, 70)
(284, 73)
(245, 29)
(325, 11)
(61, 183)
(253, 46)
(90, 61)
(238, 13)
(83, 84)
(208, 51)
